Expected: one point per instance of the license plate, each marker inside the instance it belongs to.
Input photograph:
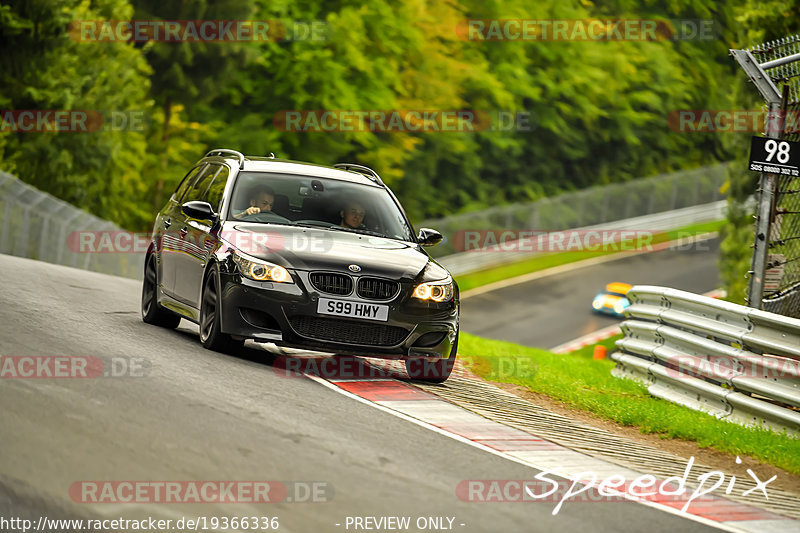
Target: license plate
(327, 306)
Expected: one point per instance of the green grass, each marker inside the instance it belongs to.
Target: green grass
(583, 383)
(549, 260)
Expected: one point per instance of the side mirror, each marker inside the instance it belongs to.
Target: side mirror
(199, 210)
(428, 237)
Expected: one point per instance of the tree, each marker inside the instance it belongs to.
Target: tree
(760, 22)
(44, 70)
(187, 73)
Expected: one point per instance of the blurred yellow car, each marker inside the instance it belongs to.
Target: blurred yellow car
(613, 300)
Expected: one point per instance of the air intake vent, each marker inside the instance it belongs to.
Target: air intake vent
(377, 288)
(332, 283)
(344, 331)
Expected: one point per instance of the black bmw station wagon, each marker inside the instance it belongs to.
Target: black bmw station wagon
(300, 255)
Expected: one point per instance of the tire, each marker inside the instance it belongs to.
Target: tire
(152, 312)
(211, 335)
(437, 371)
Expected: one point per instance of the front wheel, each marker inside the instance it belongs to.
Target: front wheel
(152, 313)
(211, 335)
(432, 371)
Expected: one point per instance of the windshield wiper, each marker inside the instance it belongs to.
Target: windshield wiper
(307, 224)
(336, 227)
(358, 230)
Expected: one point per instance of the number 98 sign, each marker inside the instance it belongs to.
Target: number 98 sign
(775, 156)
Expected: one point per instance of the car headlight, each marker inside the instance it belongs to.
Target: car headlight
(436, 291)
(597, 303)
(259, 270)
(620, 306)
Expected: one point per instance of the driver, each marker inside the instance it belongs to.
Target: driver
(261, 201)
(353, 215)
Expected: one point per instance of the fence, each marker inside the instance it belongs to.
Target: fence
(39, 226)
(590, 207)
(782, 291)
(775, 273)
(735, 362)
(490, 256)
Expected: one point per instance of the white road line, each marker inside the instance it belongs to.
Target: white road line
(569, 267)
(727, 526)
(610, 331)
(585, 340)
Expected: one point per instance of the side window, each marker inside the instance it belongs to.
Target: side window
(186, 182)
(217, 187)
(198, 189)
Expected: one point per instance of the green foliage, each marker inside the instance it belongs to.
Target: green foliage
(760, 21)
(737, 234)
(596, 109)
(544, 261)
(580, 382)
(45, 69)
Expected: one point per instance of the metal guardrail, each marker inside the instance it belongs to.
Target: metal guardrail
(597, 205)
(39, 226)
(473, 260)
(735, 362)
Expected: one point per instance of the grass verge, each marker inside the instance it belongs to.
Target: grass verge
(549, 260)
(583, 383)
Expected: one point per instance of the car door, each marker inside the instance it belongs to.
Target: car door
(166, 232)
(197, 240)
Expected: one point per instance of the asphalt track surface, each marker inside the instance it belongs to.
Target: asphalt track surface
(556, 309)
(200, 415)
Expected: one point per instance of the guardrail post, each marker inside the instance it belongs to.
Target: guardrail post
(10, 202)
(62, 239)
(766, 209)
(22, 244)
(768, 183)
(735, 362)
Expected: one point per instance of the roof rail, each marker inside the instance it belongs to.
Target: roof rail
(361, 169)
(220, 151)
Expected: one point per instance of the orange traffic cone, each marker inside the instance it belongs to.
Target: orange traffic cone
(599, 352)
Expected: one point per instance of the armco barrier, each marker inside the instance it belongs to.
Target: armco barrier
(737, 363)
(658, 203)
(38, 225)
(474, 260)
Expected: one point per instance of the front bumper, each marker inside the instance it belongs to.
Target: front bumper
(608, 311)
(286, 314)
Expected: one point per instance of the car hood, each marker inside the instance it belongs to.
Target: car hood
(320, 249)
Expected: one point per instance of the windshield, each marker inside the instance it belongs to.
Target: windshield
(296, 200)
